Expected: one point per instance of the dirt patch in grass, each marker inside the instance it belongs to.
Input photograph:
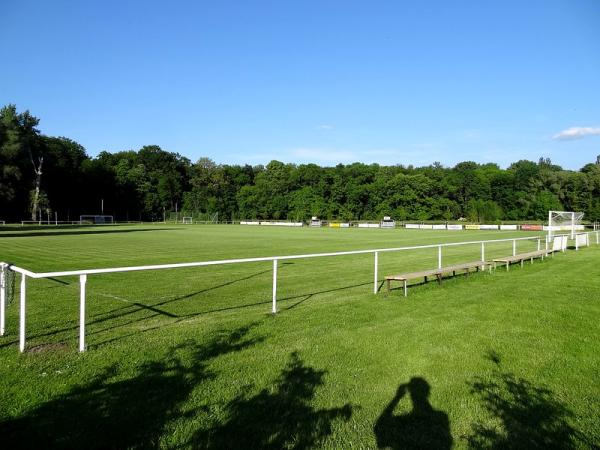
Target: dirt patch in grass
(44, 348)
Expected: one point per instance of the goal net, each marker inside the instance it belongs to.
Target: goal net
(95, 219)
(561, 222)
(187, 220)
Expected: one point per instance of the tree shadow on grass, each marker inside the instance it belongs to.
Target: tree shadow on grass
(278, 417)
(422, 428)
(524, 416)
(110, 412)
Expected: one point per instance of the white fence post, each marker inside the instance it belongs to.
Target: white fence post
(439, 256)
(22, 315)
(483, 254)
(82, 281)
(514, 247)
(539, 244)
(2, 298)
(376, 273)
(274, 310)
(597, 239)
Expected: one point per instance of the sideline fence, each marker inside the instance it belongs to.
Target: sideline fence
(83, 274)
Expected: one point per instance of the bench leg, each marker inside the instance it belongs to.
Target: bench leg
(507, 267)
(521, 264)
(388, 285)
(454, 273)
(425, 279)
(439, 278)
(405, 289)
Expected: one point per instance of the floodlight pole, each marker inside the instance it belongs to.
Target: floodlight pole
(82, 282)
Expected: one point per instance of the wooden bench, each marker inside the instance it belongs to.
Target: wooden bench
(520, 258)
(438, 273)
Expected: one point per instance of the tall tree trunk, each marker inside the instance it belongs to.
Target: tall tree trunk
(35, 204)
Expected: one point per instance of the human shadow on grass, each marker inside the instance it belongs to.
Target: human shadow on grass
(422, 428)
(278, 417)
(111, 412)
(51, 233)
(523, 415)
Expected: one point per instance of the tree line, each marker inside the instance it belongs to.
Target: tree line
(41, 176)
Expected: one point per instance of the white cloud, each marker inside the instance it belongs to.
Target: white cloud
(325, 127)
(577, 133)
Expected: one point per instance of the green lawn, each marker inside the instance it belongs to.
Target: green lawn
(192, 358)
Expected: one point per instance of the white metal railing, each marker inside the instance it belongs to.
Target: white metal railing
(83, 274)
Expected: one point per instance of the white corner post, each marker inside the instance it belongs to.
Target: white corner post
(82, 281)
(439, 256)
(514, 247)
(22, 314)
(2, 298)
(274, 310)
(376, 273)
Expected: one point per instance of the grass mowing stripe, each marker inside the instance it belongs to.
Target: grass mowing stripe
(198, 361)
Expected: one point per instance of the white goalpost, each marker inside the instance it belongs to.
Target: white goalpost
(187, 221)
(569, 221)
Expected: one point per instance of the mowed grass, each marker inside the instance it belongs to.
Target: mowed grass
(192, 358)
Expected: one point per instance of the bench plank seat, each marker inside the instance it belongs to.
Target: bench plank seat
(507, 260)
(438, 273)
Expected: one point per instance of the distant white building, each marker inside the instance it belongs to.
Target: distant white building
(315, 222)
(388, 222)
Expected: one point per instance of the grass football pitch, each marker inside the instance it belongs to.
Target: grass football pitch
(193, 357)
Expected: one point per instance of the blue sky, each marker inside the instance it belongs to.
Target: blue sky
(393, 82)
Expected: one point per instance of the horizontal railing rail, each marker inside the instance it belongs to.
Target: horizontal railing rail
(249, 260)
